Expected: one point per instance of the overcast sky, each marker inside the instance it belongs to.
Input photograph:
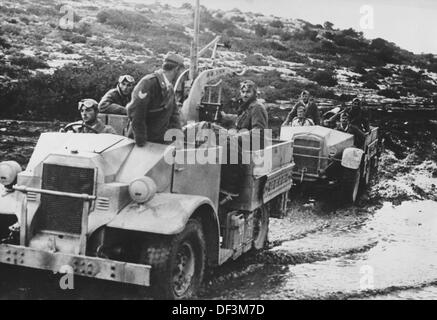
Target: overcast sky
(411, 24)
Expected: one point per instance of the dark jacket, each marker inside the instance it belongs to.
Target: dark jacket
(99, 126)
(359, 135)
(114, 102)
(311, 111)
(254, 117)
(152, 110)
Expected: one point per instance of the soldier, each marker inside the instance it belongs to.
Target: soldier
(251, 113)
(311, 109)
(252, 116)
(88, 109)
(355, 115)
(347, 126)
(301, 120)
(153, 108)
(115, 100)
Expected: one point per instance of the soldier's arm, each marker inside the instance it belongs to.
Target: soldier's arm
(259, 118)
(109, 129)
(315, 113)
(291, 115)
(137, 110)
(175, 119)
(108, 105)
(229, 117)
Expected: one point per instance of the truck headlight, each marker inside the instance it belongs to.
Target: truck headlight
(9, 171)
(142, 190)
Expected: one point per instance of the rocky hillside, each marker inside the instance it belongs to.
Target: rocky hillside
(54, 53)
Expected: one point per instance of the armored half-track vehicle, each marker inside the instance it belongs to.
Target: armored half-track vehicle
(115, 211)
(329, 157)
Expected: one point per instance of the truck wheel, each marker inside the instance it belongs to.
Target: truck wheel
(178, 263)
(261, 227)
(350, 184)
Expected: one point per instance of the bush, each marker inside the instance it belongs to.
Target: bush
(275, 46)
(260, 31)
(4, 43)
(73, 37)
(84, 28)
(124, 19)
(255, 60)
(29, 62)
(25, 20)
(238, 19)
(59, 93)
(370, 85)
(324, 78)
(219, 26)
(67, 50)
(277, 24)
(389, 93)
(39, 10)
(11, 29)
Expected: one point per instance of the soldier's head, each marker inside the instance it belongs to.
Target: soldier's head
(88, 109)
(305, 96)
(248, 90)
(126, 84)
(355, 110)
(173, 65)
(300, 111)
(344, 118)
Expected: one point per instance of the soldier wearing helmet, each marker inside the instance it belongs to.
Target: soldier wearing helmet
(153, 109)
(115, 100)
(88, 109)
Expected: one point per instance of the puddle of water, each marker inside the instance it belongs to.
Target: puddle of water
(404, 256)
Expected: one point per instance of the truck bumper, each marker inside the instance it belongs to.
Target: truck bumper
(91, 267)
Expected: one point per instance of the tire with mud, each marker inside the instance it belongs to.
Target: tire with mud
(350, 184)
(178, 262)
(261, 227)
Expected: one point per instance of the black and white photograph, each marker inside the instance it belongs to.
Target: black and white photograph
(242, 151)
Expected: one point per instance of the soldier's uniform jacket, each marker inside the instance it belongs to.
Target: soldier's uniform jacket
(153, 109)
(99, 126)
(114, 102)
(359, 135)
(302, 122)
(254, 117)
(311, 112)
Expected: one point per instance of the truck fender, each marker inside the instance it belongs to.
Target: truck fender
(351, 158)
(165, 213)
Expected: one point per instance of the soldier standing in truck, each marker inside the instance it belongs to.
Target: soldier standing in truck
(311, 109)
(251, 113)
(115, 100)
(153, 108)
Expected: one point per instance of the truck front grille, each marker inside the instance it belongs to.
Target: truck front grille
(306, 153)
(64, 214)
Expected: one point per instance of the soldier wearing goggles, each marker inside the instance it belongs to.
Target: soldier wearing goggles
(115, 100)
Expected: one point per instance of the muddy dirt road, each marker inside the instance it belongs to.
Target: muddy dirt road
(385, 247)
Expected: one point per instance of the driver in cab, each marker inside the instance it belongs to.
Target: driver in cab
(90, 123)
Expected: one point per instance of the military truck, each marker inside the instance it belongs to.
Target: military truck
(328, 157)
(115, 211)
